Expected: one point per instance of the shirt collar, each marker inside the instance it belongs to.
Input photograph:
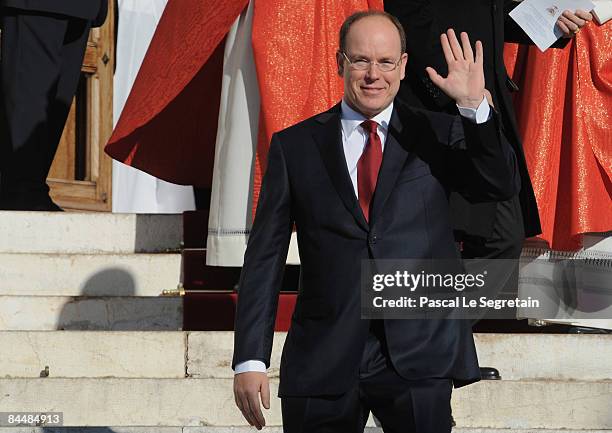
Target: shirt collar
(351, 119)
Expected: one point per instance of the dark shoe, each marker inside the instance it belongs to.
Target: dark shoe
(585, 330)
(489, 373)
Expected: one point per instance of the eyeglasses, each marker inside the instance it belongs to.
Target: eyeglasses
(363, 64)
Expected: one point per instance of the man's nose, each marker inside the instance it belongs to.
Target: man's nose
(372, 73)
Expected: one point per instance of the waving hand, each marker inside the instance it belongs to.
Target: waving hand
(465, 82)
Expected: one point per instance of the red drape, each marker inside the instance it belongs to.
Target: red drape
(168, 125)
(564, 111)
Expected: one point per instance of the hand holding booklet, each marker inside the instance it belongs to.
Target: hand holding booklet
(538, 18)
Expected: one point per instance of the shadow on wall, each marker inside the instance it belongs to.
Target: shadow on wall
(95, 309)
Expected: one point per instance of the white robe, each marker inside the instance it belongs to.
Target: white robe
(135, 191)
(231, 214)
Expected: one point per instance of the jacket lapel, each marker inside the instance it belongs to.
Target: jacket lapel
(394, 158)
(329, 141)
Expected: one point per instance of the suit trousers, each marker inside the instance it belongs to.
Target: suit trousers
(39, 73)
(400, 405)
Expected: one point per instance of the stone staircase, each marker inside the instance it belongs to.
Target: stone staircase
(84, 331)
(182, 379)
(89, 271)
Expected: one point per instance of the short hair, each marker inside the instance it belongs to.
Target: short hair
(346, 26)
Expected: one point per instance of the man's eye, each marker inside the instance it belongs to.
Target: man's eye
(361, 62)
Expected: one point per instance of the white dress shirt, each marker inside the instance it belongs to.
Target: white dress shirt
(354, 139)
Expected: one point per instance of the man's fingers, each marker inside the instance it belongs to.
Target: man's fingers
(243, 404)
(573, 27)
(575, 19)
(246, 411)
(434, 76)
(238, 400)
(247, 387)
(587, 16)
(255, 409)
(564, 28)
(446, 49)
(467, 48)
(454, 44)
(265, 395)
(479, 53)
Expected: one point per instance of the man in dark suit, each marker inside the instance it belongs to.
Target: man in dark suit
(43, 44)
(367, 179)
(487, 230)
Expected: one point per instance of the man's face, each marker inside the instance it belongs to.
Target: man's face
(370, 91)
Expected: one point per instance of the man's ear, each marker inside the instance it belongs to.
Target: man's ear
(340, 63)
(403, 61)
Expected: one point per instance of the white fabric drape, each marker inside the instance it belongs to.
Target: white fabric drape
(135, 191)
(231, 217)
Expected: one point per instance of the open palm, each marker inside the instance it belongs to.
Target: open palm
(465, 82)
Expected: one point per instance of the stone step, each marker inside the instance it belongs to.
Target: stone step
(209, 402)
(115, 430)
(88, 233)
(72, 354)
(531, 430)
(517, 356)
(597, 242)
(246, 430)
(207, 355)
(48, 313)
(88, 274)
(243, 430)
(547, 356)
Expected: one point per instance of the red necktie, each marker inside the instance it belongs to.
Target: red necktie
(368, 167)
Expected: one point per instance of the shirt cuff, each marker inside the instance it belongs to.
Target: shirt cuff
(251, 365)
(478, 115)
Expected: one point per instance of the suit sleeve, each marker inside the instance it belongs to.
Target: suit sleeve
(476, 160)
(491, 170)
(264, 263)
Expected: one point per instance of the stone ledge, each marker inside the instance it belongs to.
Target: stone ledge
(517, 356)
(86, 233)
(88, 274)
(243, 430)
(91, 354)
(209, 402)
(48, 313)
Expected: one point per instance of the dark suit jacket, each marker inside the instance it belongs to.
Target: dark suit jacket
(92, 10)
(487, 21)
(307, 183)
